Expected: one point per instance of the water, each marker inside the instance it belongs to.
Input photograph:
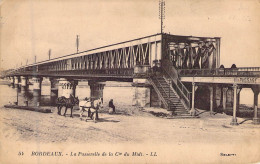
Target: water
(122, 95)
(8, 93)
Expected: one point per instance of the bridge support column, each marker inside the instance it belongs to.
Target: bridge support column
(238, 99)
(212, 90)
(141, 96)
(46, 87)
(54, 87)
(234, 118)
(36, 90)
(37, 83)
(11, 79)
(219, 97)
(24, 82)
(142, 91)
(230, 97)
(155, 99)
(225, 99)
(194, 88)
(60, 90)
(256, 120)
(16, 80)
(96, 89)
(66, 87)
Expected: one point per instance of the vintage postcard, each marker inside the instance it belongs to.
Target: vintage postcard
(129, 81)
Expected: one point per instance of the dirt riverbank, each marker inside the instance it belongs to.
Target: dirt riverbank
(133, 126)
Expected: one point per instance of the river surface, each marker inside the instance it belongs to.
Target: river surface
(10, 94)
(121, 95)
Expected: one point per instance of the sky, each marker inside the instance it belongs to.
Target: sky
(30, 28)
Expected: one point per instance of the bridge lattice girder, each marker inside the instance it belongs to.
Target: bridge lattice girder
(114, 60)
(125, 57)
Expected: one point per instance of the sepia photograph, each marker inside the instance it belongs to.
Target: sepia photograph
(129, 81)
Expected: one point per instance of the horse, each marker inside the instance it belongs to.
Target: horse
(93, 107)
(66, 102)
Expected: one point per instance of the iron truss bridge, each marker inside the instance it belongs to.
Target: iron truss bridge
(114, 61)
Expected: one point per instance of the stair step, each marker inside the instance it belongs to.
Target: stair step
(179, 113)
(174, 100)
(172, 97)
(163, 86)
(171, 93)
(160, 78)
(163, 82)
(177, 106)
(184, 111)
(182, 117)
(181, 109)
(177, 110)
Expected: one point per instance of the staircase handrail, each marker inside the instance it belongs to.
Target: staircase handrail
(158, 92)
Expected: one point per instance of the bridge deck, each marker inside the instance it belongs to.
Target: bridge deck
(244, 75)
(123, 74)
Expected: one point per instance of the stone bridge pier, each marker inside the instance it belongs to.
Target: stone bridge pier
(11, 79)
(37, 82)
(16, 80)
(46, 86)
(36, 90)
(67, 87)
(142, 87)
(96, 89)
(24, 81)
(141, 96)
(54, 86)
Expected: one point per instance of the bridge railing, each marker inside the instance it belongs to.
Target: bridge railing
(166, 104)
(243, 71)
(92, 72)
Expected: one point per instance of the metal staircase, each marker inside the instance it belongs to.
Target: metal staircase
(169, 97)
